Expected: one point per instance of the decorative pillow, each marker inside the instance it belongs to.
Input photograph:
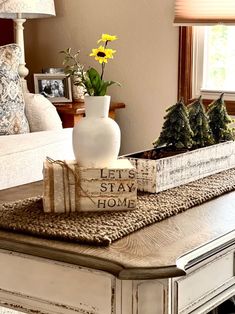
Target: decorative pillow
(12, 116)
(41, 113)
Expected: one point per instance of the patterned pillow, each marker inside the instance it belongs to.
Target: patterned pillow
(12, 116)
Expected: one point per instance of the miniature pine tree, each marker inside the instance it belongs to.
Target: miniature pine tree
(202, 135)
(219, 121)
(176, 131)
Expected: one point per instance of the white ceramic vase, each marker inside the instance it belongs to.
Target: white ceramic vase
(96, 138)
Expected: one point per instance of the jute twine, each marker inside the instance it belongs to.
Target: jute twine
(65, 166)
(27, 216)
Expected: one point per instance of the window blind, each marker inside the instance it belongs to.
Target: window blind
(196, 12)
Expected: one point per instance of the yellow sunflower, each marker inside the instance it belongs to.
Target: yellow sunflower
(102, 54)
(107, 37)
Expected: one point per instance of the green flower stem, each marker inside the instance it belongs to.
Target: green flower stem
(103, 64)
(102, 72)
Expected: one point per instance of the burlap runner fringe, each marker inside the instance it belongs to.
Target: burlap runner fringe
(27, 216)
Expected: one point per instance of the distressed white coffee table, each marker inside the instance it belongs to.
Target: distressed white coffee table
(184, 264)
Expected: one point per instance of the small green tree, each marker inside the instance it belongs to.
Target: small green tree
(176, 131)
(219, 121)
(202, 135)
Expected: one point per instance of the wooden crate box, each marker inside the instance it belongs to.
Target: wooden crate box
(89, 189)
(158, 175)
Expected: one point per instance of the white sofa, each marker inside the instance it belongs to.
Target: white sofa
(22, 155)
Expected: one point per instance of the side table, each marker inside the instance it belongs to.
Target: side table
(71, 113)
(181, 265)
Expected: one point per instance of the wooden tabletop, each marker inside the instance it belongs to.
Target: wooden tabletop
(164, 249)
(79, 107)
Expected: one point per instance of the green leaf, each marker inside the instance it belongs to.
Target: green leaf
(88, 85)
(109, 83)
(105, 85)
(95, 80)
(102, 90)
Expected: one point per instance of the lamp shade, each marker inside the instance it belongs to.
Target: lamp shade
(206, 12)
(26, 8)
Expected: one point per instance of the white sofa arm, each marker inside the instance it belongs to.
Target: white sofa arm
(41, 113)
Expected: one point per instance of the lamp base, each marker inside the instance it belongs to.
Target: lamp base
(24, 85)
(23, 72)
(19, 39)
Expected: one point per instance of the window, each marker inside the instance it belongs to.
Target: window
(213, 61)
(207, 63)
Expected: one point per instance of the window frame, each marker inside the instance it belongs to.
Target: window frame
(185, 69)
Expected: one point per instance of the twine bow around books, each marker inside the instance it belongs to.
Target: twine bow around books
(64, 165)
(62, 187)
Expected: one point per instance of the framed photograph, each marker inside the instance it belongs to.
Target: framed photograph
(55, 87)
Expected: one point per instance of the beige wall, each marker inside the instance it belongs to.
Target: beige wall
(145, 62)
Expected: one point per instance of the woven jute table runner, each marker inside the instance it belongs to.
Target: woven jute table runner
(26, 216)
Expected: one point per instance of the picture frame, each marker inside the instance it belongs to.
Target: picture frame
(56, 87)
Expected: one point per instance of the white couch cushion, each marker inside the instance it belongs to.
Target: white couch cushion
(22, 156)
(12, 116)
(41, 113)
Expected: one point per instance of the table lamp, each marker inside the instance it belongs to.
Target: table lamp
(204, 12)
(19, 11)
